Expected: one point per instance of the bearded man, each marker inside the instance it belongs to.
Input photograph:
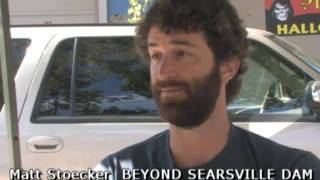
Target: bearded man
(195, 51)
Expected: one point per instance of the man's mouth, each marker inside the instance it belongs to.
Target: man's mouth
(171, 89)
(172, 93)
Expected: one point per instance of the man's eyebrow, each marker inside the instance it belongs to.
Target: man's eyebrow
(183, 43)
(175, 42)
(152, 44)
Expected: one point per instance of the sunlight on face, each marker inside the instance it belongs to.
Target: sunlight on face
(185, 83)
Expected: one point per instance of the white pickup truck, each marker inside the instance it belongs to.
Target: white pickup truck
(83, 93)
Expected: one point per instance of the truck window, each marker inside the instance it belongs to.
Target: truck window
(18, 51)
(105, 76)
(272, 85)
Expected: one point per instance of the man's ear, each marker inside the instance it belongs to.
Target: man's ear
(228, 69)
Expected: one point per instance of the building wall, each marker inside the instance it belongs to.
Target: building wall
(95, 11)
(251, 12)
(253, 15)
(53, 11)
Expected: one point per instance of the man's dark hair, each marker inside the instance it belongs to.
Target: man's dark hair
(216, 19)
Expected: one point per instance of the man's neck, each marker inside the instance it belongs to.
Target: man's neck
(197, 146)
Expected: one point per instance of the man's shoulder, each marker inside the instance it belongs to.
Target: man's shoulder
(140, 154)
(262, 144)
(270, 154)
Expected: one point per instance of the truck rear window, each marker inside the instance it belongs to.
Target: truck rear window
(18, 50)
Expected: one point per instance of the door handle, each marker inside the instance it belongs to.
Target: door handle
(44, 144)
(45, 147)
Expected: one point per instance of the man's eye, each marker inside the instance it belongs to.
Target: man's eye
(182, 54)
(156, 56)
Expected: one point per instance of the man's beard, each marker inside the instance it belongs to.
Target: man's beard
(192, 111)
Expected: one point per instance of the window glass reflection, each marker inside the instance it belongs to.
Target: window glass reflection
(272, 85)
(111, 79)
(107, 78)
(18, 51)
(56, 88)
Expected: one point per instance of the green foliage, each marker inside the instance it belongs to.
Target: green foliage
(137, 7)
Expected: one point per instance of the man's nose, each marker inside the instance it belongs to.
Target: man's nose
(166, 69)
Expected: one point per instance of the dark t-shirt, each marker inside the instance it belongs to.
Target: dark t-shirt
(255, 156)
